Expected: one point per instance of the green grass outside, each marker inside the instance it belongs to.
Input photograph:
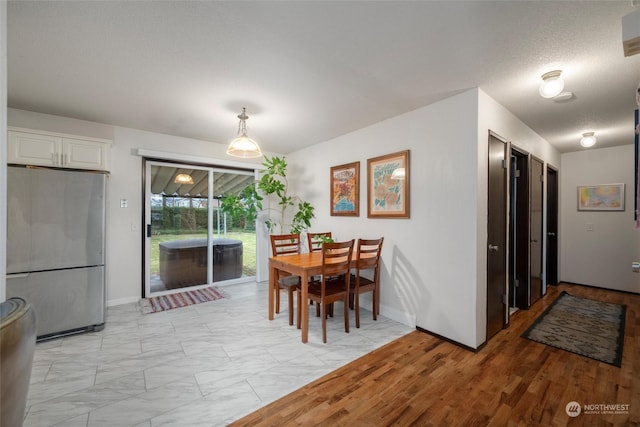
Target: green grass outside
(248, 248)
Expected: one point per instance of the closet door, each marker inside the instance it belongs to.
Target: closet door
(497, 237)
(519, 230)
(552, 226)
(536, 217)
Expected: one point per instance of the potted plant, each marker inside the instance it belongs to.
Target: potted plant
(274, 187)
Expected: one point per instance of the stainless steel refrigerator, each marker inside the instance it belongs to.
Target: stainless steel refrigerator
(56, 247)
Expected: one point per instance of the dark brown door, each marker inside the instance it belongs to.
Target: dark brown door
(552, 226)
(519, 230)
(535, 215)
(496, 237)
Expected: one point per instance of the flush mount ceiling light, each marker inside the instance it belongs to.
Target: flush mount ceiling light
(183, 178)
(552, 84)
(564, 97)
(588, 139)
(243, 146)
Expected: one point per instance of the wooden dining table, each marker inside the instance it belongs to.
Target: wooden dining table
(304, 265)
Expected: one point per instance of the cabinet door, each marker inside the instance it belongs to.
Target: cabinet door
(80, 154)
(33, 149)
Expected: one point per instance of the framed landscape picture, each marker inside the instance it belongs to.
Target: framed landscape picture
(388, 186)
(345, 190)
(608, 197)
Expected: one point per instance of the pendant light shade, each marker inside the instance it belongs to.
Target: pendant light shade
(243, 146)
(552, 84)
(183, 178)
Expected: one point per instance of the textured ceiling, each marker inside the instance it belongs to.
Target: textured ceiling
(309, 71)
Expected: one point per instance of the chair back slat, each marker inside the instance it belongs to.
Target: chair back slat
(369, 251)
(284, 244)
(314, 242)
(336, 258)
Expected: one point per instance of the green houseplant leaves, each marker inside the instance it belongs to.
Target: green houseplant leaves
(274, 188)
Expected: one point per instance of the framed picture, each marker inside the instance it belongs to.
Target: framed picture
(345, 190)
(388, 186)
(608, 197)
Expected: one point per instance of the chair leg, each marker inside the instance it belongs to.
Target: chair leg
(346, 313)
(356, 298)
(299, 309)
(290, 295)
(277, 299)
(376, 304)
(324, 323)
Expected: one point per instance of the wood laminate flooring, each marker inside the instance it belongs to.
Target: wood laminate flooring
(422, 380)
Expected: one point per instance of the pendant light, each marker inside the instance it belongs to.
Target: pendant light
(243, 146)
(183, 178)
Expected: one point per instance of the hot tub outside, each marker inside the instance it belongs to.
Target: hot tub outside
(184, 262)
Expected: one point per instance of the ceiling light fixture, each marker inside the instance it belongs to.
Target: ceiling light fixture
(564, 97)
(588, 139)
(552, 84)
(243, 146)
(183, 178)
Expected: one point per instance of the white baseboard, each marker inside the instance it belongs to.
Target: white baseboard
(121, 301)
(386, 311)
(397, 315)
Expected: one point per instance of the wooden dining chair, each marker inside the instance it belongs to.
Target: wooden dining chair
(314, 240)
(286, 244)
(368, 259)
(334, 283)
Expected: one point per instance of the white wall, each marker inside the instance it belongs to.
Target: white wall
(434, 264)
(3, 149)
(601, 257)
(428, 270)
(125, 225)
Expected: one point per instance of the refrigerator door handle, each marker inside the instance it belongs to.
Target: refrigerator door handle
(17, 275)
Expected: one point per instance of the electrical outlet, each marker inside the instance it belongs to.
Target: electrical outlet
(124, 203)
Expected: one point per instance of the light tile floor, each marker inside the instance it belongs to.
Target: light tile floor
(203, 365)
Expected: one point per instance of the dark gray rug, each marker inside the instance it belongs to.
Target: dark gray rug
(594, 329)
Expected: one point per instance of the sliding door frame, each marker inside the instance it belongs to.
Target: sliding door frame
(147, 162)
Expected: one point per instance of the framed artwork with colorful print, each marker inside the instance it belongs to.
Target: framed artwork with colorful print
(345, 190)
(388, 186)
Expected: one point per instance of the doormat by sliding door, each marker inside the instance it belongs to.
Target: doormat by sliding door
(180, 299)
(594, 329)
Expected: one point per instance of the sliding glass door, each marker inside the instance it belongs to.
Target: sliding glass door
(189, 242)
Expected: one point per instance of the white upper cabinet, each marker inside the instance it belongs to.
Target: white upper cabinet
(50, 149)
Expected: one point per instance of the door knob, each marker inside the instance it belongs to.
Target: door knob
(551, 233)
(493, 248)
